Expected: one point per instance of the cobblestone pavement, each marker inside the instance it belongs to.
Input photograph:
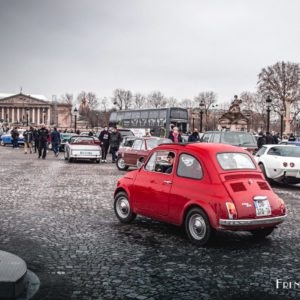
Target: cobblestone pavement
(59, 218)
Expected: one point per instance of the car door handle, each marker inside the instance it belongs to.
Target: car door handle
(168, 182)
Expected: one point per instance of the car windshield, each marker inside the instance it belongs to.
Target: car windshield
(154, 143)
(83, 140)
(238, 138)
(286, 151)
(235, 161)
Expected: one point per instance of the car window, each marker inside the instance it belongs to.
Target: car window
(128, 142)
(216, 138)
(205, 138)
(261, 151)
(286, 151)
(137, 144)
(161, 162)
(189, 167)
(238, 138)
(235, 161)
(143, 145)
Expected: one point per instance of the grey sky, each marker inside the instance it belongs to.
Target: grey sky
(178, 47)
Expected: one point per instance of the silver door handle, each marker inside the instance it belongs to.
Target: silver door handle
(168, 182)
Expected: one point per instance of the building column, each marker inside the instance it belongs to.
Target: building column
(2, 112)
(38, 116)
(18, 114)
(49, 119)
(33, 115)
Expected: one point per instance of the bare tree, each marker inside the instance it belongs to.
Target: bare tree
(103, 104)
(139, 101)
(172, 102)
(67, 98)
(156, 100)
(92, 100)
(186, 103)
(122, 98)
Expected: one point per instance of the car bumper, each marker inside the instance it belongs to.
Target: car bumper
(86, 156)
(251, 222)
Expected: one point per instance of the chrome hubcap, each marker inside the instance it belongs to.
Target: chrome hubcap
(123, 207)
(197, 227)
(121, 163)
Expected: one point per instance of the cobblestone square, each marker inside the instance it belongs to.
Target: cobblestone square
(59, 218)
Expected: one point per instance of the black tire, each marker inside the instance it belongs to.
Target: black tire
(65, 156)
(262, 232)
(98, 161)
(121, 165)
(262, 167)
(122, 208)
(197, 227)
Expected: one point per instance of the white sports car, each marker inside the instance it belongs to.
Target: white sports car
(280, 163)
(82, 147)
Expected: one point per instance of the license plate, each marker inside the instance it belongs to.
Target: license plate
(262, 208)
(85, 153)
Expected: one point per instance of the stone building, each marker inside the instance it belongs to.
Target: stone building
(233, 120)
(16, 109)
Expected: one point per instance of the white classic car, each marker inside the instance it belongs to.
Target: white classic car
(82, 147)
(280, 163)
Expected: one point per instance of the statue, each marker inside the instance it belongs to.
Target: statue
(83, 109)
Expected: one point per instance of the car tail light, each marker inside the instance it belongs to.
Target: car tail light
(292, 165)
(282, 206)
(285, 164)
(232, 214)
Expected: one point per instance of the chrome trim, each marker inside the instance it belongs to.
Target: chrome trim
(250, 222)
(259, 198)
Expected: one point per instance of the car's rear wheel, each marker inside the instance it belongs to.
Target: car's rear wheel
(121, 164)
(98, 161)
(262, 232)
(263, 169)
(65, 156)
(123, 209)
(197, 227)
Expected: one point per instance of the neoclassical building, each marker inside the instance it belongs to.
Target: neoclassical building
(17, 109)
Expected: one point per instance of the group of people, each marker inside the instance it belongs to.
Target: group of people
(271, 138)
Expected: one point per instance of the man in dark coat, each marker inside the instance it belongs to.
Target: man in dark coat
(115, 140)
(55, 141)
(269, 138)
(27, 139)
(35, 138)
(43, 135)
(15, 137)
(104, 142)
(292, 138)
(194, 137)
(261, 140)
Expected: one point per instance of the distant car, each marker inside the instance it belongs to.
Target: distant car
(280, 163)
(296, 143)
(82, 147)
(65, 138)
(7, 140)
(135, 155)
(242, 139)
(126, 132)
(202, 187)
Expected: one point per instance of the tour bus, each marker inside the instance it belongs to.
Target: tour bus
(156, 121)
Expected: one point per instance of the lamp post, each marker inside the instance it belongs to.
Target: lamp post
(201, 113)
(268, 100)
(97, 118)
(27, 112)
(215, 109)
(281, 121)
(75, 115)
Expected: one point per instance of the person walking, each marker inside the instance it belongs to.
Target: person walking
(55, 140)
(194, 137)
(104, 138)
(15, 137)
(175, 136)
(115, 140)
(28, 135)
(292, 138)
(269, 138)
(261, 140)
(275, 137)
(35, 138)
(91, 133)
(43, 135)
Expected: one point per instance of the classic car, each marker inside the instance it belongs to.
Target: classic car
(209, 187)
(140, 147)
(82, 147)
(242, 139)
(6, 138)
(65, 138)
(280, 163)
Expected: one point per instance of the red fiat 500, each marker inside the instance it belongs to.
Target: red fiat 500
(202, 187)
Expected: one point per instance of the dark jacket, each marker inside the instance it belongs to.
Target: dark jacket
(261, 141)
(115, 139)
(15, 134)
(55, 137)
(269, 139)
(194, 137)
(35, 135)
(43, 134)
(275, 137)
(104, 136)
(292, 138)
(28, 136)
(171, 137)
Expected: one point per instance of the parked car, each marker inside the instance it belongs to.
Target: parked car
(280, 163)
(65, 138)
(135, 155)
(210, 186)
(296, 143)
(82, 147)
(125, 132)
(243, 139)
(6, 138)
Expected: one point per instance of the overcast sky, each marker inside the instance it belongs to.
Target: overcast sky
(181, 48)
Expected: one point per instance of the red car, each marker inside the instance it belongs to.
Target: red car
(203, 187)
(135, 154)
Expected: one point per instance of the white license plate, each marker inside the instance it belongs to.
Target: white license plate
(262, 208)
(86, 153)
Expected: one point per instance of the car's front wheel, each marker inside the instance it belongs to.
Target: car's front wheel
(123, 209)
(262, 232)
(121, 164)
(197, 227)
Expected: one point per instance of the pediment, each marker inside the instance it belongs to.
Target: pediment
(21, 99)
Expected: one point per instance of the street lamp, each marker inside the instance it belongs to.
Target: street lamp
(75, 115)
(201, 113)
(215, 109)
(97, 118)
(281, 121)
(268, 100)
(27, 112)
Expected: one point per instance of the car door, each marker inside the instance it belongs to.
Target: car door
(132, 153)
(153, 185)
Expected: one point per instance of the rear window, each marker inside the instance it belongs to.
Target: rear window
(238, 138)
(288, 151)
(154, 143)
(235, 161)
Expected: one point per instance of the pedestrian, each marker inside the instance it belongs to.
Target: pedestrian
(269, 139)
(35, 138)
(292, 138)
(49, 145)
(275, 137)
(104, 138)
(55, 140)
(261, 140)
(91, 132)
(78, 132)
(115, 140)
(43, 135)
(175, 136)
(194, 137)
(28, 135)
(15, 137)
